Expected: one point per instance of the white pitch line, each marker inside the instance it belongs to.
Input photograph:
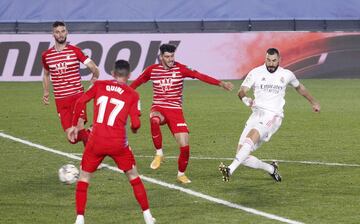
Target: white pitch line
(278, 160)
(316, 163)
(47, 149)
(161, 183)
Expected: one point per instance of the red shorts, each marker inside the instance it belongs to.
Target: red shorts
(174, 118)
(65, 107)
(95, 152)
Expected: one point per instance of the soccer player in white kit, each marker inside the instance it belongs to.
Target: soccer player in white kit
(269, 82)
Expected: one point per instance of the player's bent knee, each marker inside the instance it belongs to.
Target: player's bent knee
(155, 120)
(85, 176)
(132, 173)
(248, 143)
(182, 139)
(256, 134)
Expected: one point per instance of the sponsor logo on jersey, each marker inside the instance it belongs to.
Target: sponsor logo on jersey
(271, 88)
(166, 84)
(61, 68)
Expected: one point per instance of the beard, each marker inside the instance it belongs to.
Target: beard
(60, 41)
(272, 69)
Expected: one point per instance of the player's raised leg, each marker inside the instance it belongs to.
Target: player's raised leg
(255, 163)
(140, 194)
(272, 169)
(156, 119)
(183, 141)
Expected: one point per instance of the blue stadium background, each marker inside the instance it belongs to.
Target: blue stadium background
(180, 16)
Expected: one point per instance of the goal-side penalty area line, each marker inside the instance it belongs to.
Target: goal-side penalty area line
(161, 183)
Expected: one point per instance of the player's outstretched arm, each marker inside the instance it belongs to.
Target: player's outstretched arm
(143, 78)
(305, 93)
(94, 70)
(46, 84)
(206, 78)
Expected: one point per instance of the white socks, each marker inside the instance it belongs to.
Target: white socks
(253, 162)
(159, 152)
(148, 217)
(79, 219)
(180, 173)
(243, 153)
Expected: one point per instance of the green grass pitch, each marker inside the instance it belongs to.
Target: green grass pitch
(31, 193)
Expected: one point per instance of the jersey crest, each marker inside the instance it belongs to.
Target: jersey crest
(282, 80)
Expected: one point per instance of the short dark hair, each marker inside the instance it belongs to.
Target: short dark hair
(273, 51)
(167, 48)
(121, 68)
(58, 23)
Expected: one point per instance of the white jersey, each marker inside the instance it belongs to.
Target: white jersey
(269, 88)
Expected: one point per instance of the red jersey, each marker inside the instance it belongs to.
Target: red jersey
(168, 84)
(64, 68)
(113, 103)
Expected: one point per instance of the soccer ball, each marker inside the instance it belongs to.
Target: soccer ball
(68, 174)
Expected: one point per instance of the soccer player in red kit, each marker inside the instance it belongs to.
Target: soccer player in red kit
(168, 78)
(114, 101)
(62, 65)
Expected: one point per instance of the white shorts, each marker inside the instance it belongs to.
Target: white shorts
(265, 122)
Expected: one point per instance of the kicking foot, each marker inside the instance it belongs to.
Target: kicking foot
(276, 175)
(225, 171)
